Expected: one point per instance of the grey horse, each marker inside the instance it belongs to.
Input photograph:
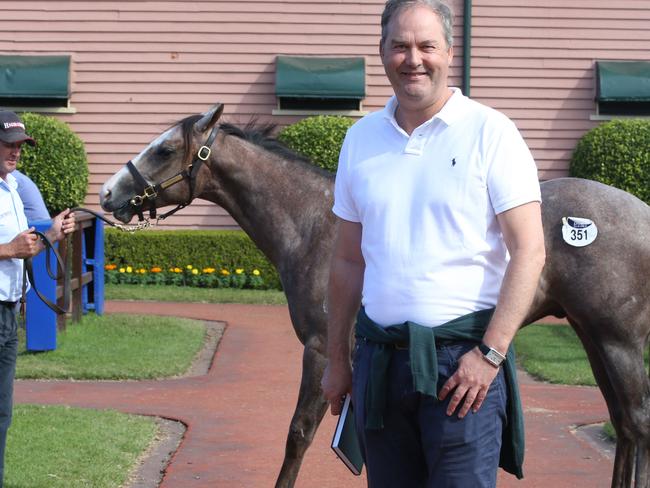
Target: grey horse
(284, 205)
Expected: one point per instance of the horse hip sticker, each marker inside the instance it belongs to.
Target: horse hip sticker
(578, 232)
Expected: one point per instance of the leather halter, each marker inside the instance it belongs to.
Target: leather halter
(151, 191)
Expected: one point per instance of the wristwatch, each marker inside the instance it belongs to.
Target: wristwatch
(492, 356)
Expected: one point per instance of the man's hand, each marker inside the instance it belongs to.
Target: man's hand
(24, 245)
(62, 224)
(470, 383)
(336, 382)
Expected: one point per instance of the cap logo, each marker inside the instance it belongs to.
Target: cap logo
(9, 125)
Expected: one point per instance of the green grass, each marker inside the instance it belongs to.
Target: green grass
(117, 347)
(163, 293)
(63, 447)
(554, 353)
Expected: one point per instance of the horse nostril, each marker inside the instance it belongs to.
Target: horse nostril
(104, 196)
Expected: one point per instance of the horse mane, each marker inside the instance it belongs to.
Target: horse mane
(260, 135)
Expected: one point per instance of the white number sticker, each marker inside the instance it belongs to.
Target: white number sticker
(578, 232)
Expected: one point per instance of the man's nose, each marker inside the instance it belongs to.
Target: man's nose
(413, 57)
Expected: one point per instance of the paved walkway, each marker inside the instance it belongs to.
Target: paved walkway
(238, 414)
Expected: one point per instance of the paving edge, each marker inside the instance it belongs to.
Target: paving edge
(151, 465)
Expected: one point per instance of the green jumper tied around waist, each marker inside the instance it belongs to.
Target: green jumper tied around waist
(424, 368)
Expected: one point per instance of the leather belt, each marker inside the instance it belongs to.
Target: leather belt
(8, 304)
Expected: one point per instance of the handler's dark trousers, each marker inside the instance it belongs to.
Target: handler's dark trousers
(420, 446)
(8, 351)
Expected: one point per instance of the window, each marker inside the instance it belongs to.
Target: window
(623, 88)
(319, 85)
(34, 81)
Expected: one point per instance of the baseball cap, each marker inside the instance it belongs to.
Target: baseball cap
(12, 129)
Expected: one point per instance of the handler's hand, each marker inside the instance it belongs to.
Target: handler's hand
(471, 382)
(25, 245)
(62, 224)
(336, 382)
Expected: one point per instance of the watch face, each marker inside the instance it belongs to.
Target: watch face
(494, 357)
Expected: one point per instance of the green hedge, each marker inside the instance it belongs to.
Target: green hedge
(318, 138)
(616, 153)
(179, 248)
(58, 164)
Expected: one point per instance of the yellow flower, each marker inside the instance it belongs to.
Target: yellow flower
(156, 269)
(143, 271)
(178, 270)
(122, 270)
(129, 269)
(208, 270)
(256, 272)
(239, 271)
(195, 271)
(189, 266)
(225, 272)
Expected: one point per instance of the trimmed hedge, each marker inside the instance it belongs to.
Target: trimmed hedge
(58, 164)
(616, 153)
(318, 138)
(179, 248)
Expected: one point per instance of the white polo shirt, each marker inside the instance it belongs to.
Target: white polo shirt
(12, 223)
(428, 204)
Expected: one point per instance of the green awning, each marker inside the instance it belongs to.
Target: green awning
(623, 81)
(42, 77)
(302, 77)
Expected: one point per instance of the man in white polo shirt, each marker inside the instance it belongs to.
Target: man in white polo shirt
(440, 241)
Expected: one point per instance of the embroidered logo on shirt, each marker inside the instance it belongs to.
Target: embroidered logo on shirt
(453, 161)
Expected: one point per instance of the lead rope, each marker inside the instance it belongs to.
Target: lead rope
(28, 273)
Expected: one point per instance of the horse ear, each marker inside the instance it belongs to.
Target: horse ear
(209, 118)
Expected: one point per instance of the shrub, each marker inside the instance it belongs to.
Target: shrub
(616, 153)
(178, 249)
(318, 138)
(58, 164)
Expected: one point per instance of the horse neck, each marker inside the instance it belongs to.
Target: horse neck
(278, 202)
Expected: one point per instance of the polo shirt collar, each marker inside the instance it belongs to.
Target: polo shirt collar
(451, 112)
(10, 182)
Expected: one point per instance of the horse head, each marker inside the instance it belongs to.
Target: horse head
(165, 172)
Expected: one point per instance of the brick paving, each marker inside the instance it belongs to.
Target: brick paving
(238, 414)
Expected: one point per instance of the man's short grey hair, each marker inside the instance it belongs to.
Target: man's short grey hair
(442, 10)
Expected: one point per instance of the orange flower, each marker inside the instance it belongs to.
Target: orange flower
(110, 267)
(156, 269)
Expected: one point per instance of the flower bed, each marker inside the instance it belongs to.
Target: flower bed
(187, 276)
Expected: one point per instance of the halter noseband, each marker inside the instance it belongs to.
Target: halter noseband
(151, 191)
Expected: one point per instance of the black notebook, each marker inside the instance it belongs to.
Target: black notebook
(345, 442)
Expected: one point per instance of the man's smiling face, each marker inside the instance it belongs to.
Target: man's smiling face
(416, 57)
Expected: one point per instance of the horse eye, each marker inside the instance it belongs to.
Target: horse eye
(164, 151)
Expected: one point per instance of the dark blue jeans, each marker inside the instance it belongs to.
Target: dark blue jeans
(420, 446)
(8, 351)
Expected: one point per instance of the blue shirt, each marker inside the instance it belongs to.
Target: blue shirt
(12, 223)
(35, 208)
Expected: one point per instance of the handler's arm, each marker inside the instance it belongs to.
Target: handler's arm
(524, 238)
(344, 297)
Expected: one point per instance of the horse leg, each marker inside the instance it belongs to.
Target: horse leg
(622, 456)
(308, 414)
(620, 372)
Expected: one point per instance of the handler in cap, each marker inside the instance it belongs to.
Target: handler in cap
(17, 242)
